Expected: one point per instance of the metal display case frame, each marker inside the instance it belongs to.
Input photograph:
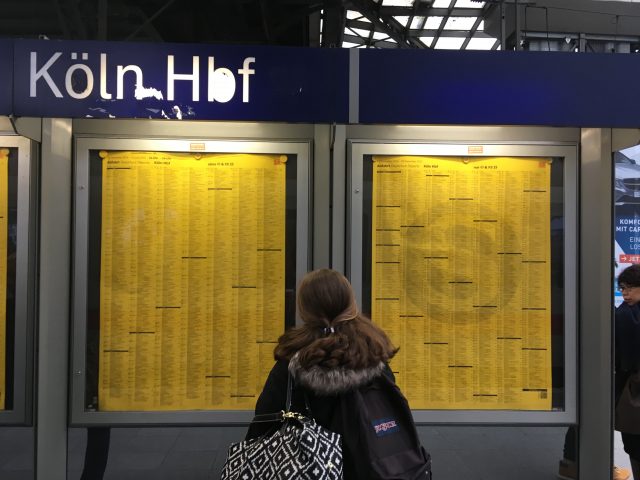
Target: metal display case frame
(302, 149)
(357, 150)
(22, 411)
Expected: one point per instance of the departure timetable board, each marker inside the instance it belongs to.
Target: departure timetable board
(461, 278)
(4, 218)
(191, 279)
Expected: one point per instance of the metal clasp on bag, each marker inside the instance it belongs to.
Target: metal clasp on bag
(294, 415)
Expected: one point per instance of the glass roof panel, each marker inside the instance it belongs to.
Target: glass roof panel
(397, 3)
(427, 40)
(417, 22)
(469, 4)
(433, 23)
(460, 23)
(481, 43)
(380, 35)
(360, 32)
(430, 24)
(449, 43)
(403, 19)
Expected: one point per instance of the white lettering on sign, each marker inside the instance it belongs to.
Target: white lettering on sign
(245, 71)
(35, 74)
(79, 79)
(194, 78)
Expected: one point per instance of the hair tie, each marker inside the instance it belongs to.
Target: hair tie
(328, 330)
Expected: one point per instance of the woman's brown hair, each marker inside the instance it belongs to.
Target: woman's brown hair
(334, 332)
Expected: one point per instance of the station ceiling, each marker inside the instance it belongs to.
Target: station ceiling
(438, 24)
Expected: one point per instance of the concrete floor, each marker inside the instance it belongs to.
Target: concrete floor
(468, 453)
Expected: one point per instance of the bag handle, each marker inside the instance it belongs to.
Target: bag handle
(286, 413)
(287, 405)
(290, 387)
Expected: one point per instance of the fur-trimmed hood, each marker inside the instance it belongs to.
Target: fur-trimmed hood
(332, 381)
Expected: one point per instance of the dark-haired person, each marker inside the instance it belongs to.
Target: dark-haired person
(627, 336)
(627, 355)
(335, 350)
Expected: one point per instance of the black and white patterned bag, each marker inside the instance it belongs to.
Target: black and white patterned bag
(299, 450)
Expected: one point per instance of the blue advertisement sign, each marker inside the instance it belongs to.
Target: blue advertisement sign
(6, 76)
(627, 211)
(180, 81)
(496, 88)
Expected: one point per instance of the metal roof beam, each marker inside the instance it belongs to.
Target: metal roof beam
(444, 21)
(428, 11)
(385, 23)
(148, 21)
(333, 25)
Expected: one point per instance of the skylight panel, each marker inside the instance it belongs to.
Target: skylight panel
(441, 4)
(449, 43)
(417, 21)
(380, 35)
(460, 23)
(427, 40)
(360, 32)
(397, 3)
(402, 19)
(353, 15)
(350, 45)
(433, 23)
(481, 43)
(469, 4)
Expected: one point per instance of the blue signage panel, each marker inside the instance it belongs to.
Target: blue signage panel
(518, 88)
(6, 76)
(180, 81)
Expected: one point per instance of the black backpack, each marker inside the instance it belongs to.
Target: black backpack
(379, 432)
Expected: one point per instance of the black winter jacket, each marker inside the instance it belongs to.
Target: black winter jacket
(627, 343)
(323, 388)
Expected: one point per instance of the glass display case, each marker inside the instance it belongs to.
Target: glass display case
(17, 261)
(460, 253)
(187, 255)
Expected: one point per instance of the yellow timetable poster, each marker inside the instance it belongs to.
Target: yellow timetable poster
(191, 278)
(461, 279)
(4, 213)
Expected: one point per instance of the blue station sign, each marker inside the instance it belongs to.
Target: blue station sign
(6, 76)
(180, 81)
(313, 85)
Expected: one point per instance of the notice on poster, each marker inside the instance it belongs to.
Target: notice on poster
(191, 279)
(4, 219)
(461, 278)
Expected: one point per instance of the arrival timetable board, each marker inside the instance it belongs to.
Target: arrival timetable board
(191, 278)
(4, 214)
(461, 278)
